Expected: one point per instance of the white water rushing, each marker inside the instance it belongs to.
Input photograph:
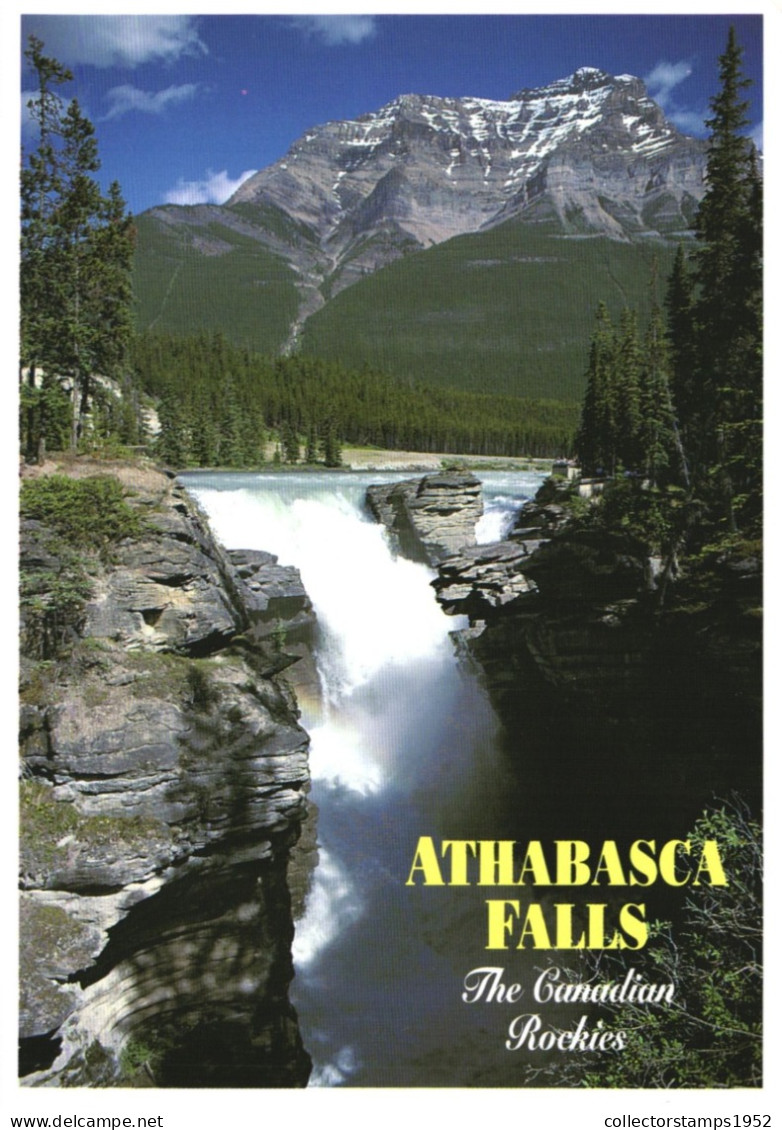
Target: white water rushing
(404, 745)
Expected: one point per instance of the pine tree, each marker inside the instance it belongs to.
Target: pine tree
(174, 441)
(679, 306)
(658, 426)
(110, 290)
(627, 392)
(595, 439)
(290, 443)
(75, 260)
(728, 273)
(311, 450)
(330, 445)
(39, 191)
(76, 249)
(232, 452)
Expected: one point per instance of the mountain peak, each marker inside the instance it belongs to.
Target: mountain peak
(587, 78)
(582, 80)
(588, 155)
(591, 151)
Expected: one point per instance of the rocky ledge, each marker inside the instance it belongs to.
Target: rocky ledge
(163, 778)
(479, 580)
(431, 517)
(583, 605)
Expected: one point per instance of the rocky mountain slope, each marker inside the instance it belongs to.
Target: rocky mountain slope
(592, 149)
(163, 779)
(588, 155)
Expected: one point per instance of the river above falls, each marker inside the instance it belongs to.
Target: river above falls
(403, 745)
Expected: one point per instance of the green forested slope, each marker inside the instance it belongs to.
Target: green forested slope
(218, 405)
(505, 311)
(211, 277)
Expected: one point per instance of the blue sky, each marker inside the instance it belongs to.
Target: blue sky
(186, 106)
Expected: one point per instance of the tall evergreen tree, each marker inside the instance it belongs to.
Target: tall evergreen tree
(74, 261)
(76, 248)
(680, 317)
(311, 449)
(290, 443)
(174, 441)
(595, 438)
(728, 273)
(330, 444)
(658, 423)
(41, 407)
(627, 392)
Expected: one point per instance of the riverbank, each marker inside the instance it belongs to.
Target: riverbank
(381, 459)
(353, 459)
(388, 459)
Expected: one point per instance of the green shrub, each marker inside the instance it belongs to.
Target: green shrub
(710, 1034)
(87, 519)
(88, 514)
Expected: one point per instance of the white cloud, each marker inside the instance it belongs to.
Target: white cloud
(215, 188)
(336, 30)
(664, 77)
(757, 136)
(688, 121)
(124, 41)
(661, 82)
(127, 99)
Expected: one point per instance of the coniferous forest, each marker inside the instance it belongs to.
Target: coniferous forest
(677, 407)
(219, 404)
(75, 270)
(675, 403)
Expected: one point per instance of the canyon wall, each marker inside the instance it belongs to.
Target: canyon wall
(615, 698)
(163, 784)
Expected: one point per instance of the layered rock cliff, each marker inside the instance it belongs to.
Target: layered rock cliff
(163, 779)
(432, 517)
(596, 680)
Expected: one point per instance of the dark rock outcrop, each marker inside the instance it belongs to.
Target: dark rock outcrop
(482, 579)
(479, 580)
(580, 654)
(163, 781)
(595, 679)
(431, 517)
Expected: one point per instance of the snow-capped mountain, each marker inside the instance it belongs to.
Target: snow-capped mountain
(591, 149)
(524, 181)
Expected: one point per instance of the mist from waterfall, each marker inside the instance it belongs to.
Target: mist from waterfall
(402, 745)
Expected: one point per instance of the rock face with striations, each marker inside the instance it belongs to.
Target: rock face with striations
(432, 517)
(163, 778)
(479, 580)
(591, 149)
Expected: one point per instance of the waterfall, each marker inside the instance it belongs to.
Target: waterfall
(404, 745)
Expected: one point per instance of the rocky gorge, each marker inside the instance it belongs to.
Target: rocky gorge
(163, 782)
(165, 775)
